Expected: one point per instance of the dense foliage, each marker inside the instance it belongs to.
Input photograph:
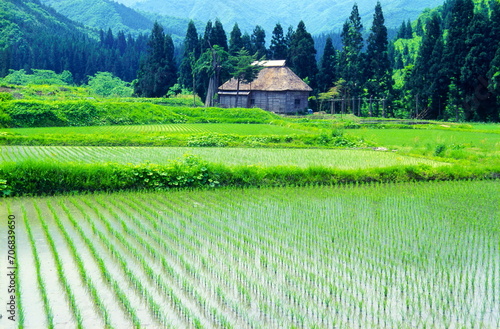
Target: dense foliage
(443, 66)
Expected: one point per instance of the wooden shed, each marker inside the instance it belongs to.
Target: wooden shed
(276, 89)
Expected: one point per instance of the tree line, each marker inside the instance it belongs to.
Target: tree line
(445, 65)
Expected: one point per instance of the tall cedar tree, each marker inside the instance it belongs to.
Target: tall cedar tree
(278, 48)
(302, 55)
(350, 56)
(494, 79)
(214, 36)
(218, 36)
(246, 41)
(494, 72)
(259, 42)
(456, 50)
(480, 104)
(378, 72)
(191, 54)
(157, 72)
(207, 40)
(235, 41)
(328, 67)
(424, 82)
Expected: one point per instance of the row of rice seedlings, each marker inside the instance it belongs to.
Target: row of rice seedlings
(155, 307)
(86, 278)
(40, 280)
(221, 277)
(362, 259)
(191, 271)
(143, 243)
(270, 256)
(106, 274)
(361, 285)
(61, 277)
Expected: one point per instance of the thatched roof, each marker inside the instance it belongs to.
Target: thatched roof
(274, 76)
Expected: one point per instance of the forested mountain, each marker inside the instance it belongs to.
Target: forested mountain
(106, 14)
(34, 36)
(319, 15)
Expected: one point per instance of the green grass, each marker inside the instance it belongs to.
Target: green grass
(412, 255)
(476, 146)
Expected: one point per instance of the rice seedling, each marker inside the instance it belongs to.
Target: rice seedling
(413, 255)
(86, 279)
(118, 291)
(41, 281)
(60, 271)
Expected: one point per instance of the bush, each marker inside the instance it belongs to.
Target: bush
(6, 97)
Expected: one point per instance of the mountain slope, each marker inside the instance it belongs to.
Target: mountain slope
(318, 15)
(106, 14)
(33, 36)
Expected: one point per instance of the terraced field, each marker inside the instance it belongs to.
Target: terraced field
(415, 255)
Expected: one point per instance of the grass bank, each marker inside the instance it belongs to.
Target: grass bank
(47, 178)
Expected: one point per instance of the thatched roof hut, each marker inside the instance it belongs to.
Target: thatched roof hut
(276, 89)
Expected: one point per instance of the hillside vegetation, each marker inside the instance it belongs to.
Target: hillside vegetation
(319, 15)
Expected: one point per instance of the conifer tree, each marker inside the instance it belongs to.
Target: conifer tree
(157, 72)
(207, 40)
(456, 50)
(246, 41)
(424, 83)
(218, 36)
(328, 68)
(419, 30)
(191, 54)
(402, 31)
(408, 30)
(235, 41)
(350, 56)
(259, 42)
(481, 44)
(278, 48)
(378, 72)
(302, 54)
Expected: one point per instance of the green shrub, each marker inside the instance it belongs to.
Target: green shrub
(5, 120)
(6, 97)
(210, 140)
(439, 149)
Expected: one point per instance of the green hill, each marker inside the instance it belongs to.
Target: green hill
(106, 14)
(318, 15)
(34, 36)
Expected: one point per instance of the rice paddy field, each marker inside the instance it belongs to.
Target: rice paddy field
(413, 255)
(337, 158)
(405, 255)
(194, 128)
